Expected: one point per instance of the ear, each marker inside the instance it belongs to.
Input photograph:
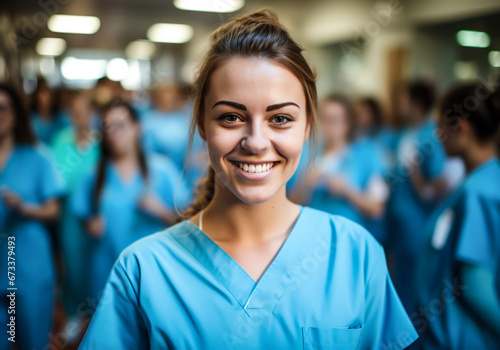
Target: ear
(464, 127)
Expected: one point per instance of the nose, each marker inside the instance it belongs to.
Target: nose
(256, 141)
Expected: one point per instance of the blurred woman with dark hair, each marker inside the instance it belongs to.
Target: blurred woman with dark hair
(30, 191)
(129, 195)
(460, 258)
(45, 117)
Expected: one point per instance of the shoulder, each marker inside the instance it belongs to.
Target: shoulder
(39, 155)
(346, 235)
(161, 245)
(483, 183)
(63, 136)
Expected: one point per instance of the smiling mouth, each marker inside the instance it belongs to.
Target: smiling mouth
(254, 167)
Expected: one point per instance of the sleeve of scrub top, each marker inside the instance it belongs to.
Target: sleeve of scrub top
(433, 157)
(52, 182)
(387, 324)
(117, 322)
(479, 236)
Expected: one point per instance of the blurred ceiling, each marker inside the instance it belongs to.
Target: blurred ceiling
(315, 21)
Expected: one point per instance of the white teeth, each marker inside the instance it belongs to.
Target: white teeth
(252, 168)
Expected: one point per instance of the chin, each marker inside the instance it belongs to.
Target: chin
(255, 195)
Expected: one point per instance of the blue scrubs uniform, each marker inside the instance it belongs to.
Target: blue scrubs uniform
(124, 221)
(30, 174)
(167, 134)
(73, 162)
(465, 229)
(356, 165)
(375, 157)
(47, 129)
(328, 287)
(407, 212)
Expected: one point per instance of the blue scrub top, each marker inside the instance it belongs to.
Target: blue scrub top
(47, 129)
(328, 287)
(125, 222)
(407, 211)
(33, 177)
(167, 134)
(466, 228)
(356, 165)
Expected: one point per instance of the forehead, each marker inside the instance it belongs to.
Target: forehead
(254, 82)
(116, 114)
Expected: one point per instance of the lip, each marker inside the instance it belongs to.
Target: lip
(254, 176)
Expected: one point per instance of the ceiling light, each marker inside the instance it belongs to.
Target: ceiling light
(494, 58)
(50, 46)
(221, 6)
(471, 38)
(117, 69)
(83, 69)
(74, 24)
(170, 33)
(140, 50)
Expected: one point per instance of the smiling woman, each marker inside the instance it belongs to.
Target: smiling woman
(247, 268)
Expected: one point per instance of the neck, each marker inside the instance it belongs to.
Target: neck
(82, 135)
(243, 222)
(126, 159)
(477, 154)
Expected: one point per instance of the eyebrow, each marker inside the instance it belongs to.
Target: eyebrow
(244, 108)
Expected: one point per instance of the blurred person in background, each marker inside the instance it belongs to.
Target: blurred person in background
(372, 130)
(104, 91)
(75, 150)
(417, 184)
(29, 197)
(45, 117)
(370, 124)
(166, 125)
(130, 195)
(348, 177)
(460, 258)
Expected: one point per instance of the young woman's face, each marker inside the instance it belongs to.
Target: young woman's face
(334, 122)
(6, 115)
(121, 133)
(255, 125)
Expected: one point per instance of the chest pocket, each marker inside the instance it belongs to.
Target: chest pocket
(331, 338)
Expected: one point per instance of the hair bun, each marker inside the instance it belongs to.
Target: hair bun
(263, 15)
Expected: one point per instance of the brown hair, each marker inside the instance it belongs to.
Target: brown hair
(23, 132)
(258, 34)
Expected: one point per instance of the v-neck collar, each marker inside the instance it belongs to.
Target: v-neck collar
(118, 176)
(248, 293)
